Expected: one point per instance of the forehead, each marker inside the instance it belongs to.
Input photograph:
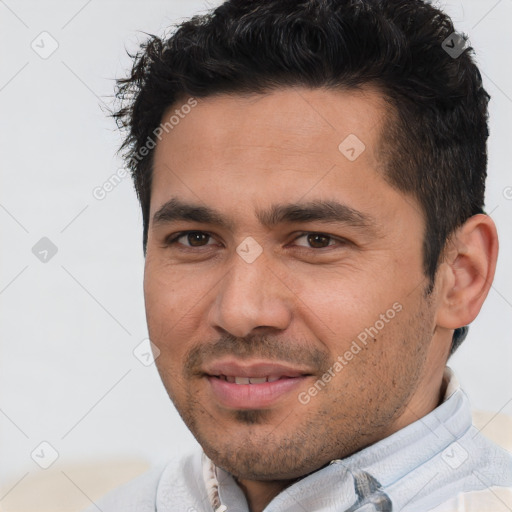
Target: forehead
(271, 148)
(294, 119)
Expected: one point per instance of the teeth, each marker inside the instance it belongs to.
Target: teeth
(248, 380)
(257, 380)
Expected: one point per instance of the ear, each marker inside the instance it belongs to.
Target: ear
(467, 272)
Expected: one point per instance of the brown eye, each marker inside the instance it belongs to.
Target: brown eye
(316, 240)
(189, 239)
(195, 238)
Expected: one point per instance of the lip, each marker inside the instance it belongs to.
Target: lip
(253, 396)
(254, 369)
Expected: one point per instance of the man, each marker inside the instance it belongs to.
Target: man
(311, 176)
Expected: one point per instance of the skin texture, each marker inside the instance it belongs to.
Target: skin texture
(302, 301)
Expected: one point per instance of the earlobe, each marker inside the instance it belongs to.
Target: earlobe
(469, 267)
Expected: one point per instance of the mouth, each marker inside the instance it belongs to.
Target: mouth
(254, 385)
(250, 380)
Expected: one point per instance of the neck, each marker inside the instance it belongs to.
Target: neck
(260, 493)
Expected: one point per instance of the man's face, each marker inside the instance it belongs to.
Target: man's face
(288, 296)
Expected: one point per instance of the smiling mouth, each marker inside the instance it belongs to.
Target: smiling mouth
(253, 392)
(250, 380)
(254, 384)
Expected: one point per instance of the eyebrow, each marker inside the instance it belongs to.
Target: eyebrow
(327, 211)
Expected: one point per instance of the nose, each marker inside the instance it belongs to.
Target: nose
(252, 296)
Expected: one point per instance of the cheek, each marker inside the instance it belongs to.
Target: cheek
(165, 310)
(168, 289)
(340, 305)
(361, 320)
(175, 300)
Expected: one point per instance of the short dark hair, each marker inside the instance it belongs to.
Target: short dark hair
(434, 142)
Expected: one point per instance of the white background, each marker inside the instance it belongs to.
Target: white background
(67, 372)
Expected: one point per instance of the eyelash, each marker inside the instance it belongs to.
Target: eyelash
(173, 239)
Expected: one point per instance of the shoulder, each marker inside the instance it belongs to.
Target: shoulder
(144, 492)
(137, 495)
(493, 499)
(475, 475)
